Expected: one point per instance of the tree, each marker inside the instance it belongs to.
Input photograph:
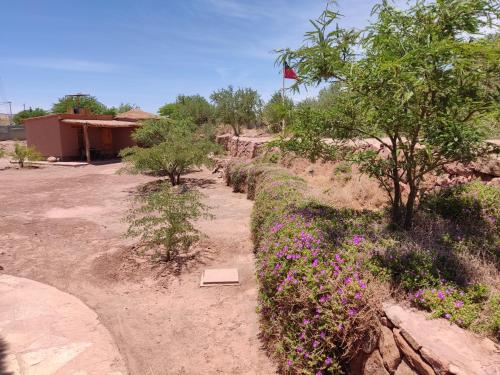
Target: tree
(22, 153)
(123, 107)
(89, 102)
(418, 80)
(276, 111)
(194, 107)
(237, 108)
(168, 148)
(164, 220)
(28, 113)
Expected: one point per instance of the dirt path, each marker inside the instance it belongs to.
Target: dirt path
(62, 226)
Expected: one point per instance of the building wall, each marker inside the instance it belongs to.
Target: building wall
(122, 138)
(69, 141)
(45, 136)
(15, 133)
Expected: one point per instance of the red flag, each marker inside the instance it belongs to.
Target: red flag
(289, 72)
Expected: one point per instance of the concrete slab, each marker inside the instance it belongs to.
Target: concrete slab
(220, 276)
(48, 332)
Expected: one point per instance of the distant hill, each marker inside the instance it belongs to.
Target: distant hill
(4, 119)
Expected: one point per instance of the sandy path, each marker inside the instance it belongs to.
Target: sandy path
(62, 226)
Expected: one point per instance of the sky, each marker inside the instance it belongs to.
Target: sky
(147, 52)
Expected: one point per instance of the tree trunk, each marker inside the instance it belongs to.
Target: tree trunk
(396, 203)
(172, 178)
(410, 207)
(178, 178)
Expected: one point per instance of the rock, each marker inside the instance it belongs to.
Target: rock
(51, 159)
(494, 182)
(411, 356)
(455, 370)
(357, 364)
(369, 343)
(391, 311)
(374, 365)
(389, 350)
(488, 165)
(439, 365)
(404, 369)
(409, 338)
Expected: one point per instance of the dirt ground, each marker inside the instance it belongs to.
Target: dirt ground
(63, 227)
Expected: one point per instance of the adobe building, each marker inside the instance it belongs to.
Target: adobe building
(83, 136)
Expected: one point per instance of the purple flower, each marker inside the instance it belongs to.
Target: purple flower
(328, 361)
(319, 373)
(459, 304)
(362, 285)
(315, 263)
(322, 335)
(290, 362)
(299, 349)
(348, 280)
(306, 322)
(447, 316)
(440, 295)
(357, 239)
(351, 312)
(340, 327)
(315, 344)
(358, 295)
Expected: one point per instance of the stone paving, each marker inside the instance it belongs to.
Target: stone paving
(49, 332)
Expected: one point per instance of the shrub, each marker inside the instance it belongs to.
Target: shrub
(314, 298)
(23, 153)
(163, 220)
(474, 210)
(170, 149)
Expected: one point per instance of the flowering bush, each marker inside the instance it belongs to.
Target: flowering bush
(314, 297)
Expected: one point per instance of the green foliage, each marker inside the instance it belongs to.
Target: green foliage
(168, 148)
(123, 107)
(422, 76)
(22, 153)
(28, 113)
(194, 107)
(237, 108)
(276, 111)
(463, 307)
(163, 220)
(474, 210)
(89, 102)
(316, 308)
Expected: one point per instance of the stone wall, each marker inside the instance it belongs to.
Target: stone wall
(242, 147)
(410, 343)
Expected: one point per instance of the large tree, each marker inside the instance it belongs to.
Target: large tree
(28, 113)
(89, 102)
(277, 112)
(237, 107)
(419, 80)
(194, 107)
(168, 148)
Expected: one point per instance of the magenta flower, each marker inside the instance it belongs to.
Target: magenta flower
(440, 295)
(351, 312)
(357, 239)
(306, 322)
(315, 263)
(358, 295)
(458, 304)
(315, 344)
(328, 361)
(290, 362)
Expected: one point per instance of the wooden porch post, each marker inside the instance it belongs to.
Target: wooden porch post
(86, 142)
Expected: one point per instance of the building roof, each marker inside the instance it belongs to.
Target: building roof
(135, 114)
(101, 123)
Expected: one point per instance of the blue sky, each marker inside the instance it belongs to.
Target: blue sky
(146, 52)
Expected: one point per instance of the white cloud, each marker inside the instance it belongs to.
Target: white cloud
(74, 65)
